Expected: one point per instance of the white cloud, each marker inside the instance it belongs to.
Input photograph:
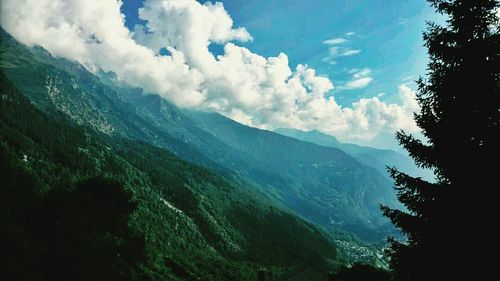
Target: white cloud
(336, 52)
(329, 60)
(189, 27)
(409, 99)
(350, 33)
(93, 33)
(349, 52)
(369, 117)
(360, 79)
(335, 41)
(360, 73)
(255, 90)
(358, 83)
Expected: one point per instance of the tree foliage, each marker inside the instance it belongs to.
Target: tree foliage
(445, 220)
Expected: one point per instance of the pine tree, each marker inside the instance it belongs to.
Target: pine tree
(448, 222)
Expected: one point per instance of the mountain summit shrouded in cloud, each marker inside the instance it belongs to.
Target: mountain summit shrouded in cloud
(250, 88)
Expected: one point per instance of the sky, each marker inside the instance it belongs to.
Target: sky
(344, 67)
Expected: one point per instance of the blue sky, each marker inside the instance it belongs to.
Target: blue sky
(387, 35)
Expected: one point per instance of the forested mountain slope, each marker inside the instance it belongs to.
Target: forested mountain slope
(74, 199)
(379, 159)
(324, 185)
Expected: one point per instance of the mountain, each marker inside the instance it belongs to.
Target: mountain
(186, 223)
(324, 185)
(372, 157)
(296, 173)
(64, 130)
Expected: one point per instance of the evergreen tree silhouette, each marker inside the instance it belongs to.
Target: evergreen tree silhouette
(448, 222)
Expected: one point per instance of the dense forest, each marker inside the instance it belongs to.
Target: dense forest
(129, 210)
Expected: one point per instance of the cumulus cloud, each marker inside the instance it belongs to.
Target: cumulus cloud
(93, 33)
(259, 91)
(369, 117)
(409, 98)
(189, 27)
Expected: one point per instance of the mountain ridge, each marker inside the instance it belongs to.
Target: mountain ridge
(324, 185)
(194, 222)
(373, 157)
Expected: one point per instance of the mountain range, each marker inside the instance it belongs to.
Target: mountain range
(211, 192)
(379, 159)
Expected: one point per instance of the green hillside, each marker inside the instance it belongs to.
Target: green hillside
(192, 223)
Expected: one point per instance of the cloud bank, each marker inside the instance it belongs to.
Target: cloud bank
(252, 89)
